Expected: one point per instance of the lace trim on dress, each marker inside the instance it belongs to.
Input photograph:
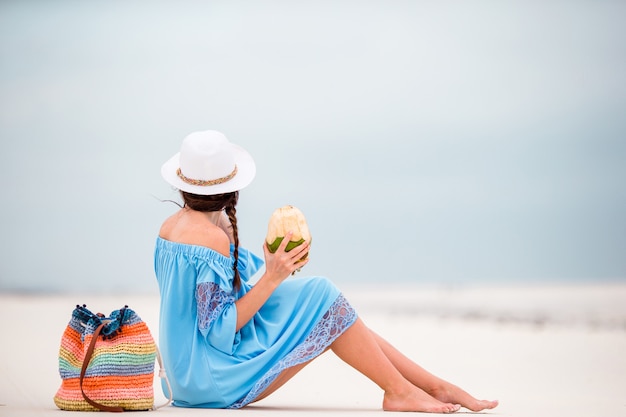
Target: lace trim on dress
(335, 321)
(211, 300)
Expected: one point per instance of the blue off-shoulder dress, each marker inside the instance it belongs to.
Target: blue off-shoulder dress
(209, 364)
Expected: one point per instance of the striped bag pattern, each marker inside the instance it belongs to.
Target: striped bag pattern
(106, 363)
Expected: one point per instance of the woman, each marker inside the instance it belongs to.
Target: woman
(227, 343)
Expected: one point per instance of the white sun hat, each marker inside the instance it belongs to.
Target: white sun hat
(209, 164)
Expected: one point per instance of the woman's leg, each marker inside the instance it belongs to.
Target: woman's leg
(435, 386)
(359, 347)
(281, 380)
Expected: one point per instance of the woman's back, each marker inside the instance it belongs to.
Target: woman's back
(192, 227)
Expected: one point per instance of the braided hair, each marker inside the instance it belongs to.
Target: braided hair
(218, 202)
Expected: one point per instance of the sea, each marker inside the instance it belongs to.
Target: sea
(439, 144)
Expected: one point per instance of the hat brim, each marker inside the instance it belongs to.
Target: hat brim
(246, 170)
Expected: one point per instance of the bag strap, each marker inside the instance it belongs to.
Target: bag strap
(83, 370)
(103, 407)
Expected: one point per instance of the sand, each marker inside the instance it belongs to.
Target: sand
(542, 350)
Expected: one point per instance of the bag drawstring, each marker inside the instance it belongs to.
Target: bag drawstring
(163, 376)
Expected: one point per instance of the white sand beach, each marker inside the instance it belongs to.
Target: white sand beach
(542, 350)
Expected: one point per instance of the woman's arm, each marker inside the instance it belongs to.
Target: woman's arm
(278, 266)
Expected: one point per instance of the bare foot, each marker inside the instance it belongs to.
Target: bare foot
(453, 394)
(417, 400)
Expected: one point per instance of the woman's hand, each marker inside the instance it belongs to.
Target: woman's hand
(280, 264)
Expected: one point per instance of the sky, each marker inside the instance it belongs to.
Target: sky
(428, 142)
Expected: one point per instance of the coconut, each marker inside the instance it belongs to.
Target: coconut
(287, 219)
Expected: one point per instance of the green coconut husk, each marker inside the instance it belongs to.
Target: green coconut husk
(273, 247)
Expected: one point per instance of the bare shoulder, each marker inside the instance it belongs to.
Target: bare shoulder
(192, 228)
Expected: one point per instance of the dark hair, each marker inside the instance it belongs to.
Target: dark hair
(226, 202)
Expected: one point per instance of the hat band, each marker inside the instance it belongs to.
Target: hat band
(206, 183)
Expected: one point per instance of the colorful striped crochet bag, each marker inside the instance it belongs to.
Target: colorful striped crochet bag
(107, 363)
